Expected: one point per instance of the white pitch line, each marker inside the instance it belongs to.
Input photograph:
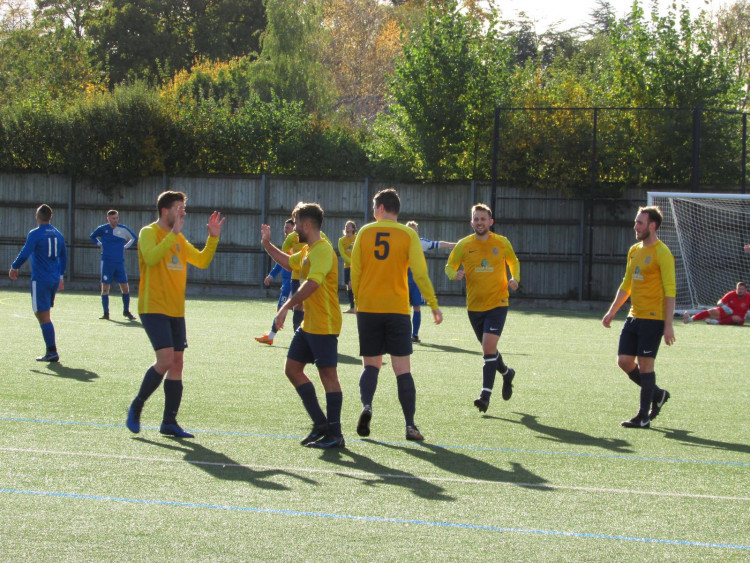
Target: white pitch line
(376, 475)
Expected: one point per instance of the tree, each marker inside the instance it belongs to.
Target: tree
(74, 14)
(733, 36)
(447, 81)
(290, 66)
(155, 38)
(363, 38)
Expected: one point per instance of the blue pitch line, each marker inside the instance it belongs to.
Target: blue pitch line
(377, 519)
(476, 448)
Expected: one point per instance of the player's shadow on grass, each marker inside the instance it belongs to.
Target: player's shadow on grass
(567, 436)
(374, 474)
(223, 467)
(685, 437)
(60, 370)
(470, 467)
(349, 360)
(444, 348)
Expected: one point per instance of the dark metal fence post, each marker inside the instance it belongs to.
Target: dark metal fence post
(592, 195)
(743, 182)
(696, 176)
(495, 149)
(72, 228)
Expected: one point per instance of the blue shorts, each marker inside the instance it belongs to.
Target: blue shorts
(384, 333)
(113, 272)
(640, 337)
(318, 349)
(286, 291)
(490, 322)
(164, 331)
(43, 295)
(415, 296)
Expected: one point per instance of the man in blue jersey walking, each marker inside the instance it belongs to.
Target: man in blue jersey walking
(113, 238)
(46, 247)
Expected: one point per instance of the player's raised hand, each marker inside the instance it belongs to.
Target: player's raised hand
(265, 233)
(215, 223)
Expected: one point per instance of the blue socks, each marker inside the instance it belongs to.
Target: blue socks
(125, 302)
(368, 382)
(416, 322)
(105, 303)
(48, 333)
(407, 396)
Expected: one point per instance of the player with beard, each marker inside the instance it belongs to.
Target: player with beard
(650, 283)
(316, 339)
(486, 257)
(163, 256)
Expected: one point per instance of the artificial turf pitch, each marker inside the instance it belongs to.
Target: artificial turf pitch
(548, 475)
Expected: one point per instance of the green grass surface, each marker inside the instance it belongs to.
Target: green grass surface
(548, 475)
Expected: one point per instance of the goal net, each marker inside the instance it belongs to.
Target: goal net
(706, 234)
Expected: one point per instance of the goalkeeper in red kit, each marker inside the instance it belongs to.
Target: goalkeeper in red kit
(732, 308)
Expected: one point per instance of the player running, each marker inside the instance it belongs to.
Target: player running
(485, 257)
(286, 287)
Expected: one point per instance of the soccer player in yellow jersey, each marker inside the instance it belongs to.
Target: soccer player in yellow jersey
(316, 340)
(292, 244)
(383, 252)
(650, 283)
(485, 258)
(163, 256)
(346, 244)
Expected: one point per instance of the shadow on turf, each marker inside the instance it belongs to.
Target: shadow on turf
(382, 475)
(60, 370)
(470, 467)
(567, 436)
(685, 437)
(444, 348)
(221, 466)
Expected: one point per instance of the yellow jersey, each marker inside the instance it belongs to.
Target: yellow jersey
(383, 252)
(486, 275)
(346, 244)
(318, 263)
(649, 278)
(163, 258)
(292, 245)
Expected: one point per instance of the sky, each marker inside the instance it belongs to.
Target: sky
(576, 12)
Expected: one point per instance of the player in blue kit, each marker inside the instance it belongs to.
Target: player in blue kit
(113, 239)
(46, 247)
(286, 286)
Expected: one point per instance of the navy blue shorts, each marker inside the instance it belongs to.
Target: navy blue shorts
(491, 322)
(43, 295)
(640, 337)
(384, 333)
(113, 272)
(164, 331)
(318, 349)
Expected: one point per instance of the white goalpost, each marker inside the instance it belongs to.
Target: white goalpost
(706, 234)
